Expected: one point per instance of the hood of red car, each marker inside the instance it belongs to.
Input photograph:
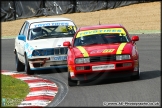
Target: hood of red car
(103, 49)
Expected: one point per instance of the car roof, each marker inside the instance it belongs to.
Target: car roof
(48, 19)
(100, 26)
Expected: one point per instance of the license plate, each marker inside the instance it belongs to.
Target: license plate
(58, 58)
(103, 67)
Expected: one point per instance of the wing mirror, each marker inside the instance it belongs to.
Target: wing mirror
(135, 38)
(22, 37)
(67, 43)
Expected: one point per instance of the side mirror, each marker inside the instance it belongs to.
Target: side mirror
(135, 38)
(66, 43)
(22, 37)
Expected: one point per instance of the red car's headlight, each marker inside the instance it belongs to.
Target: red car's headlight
(123, 57)
(82, 60)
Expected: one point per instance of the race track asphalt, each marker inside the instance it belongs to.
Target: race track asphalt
(146, 89)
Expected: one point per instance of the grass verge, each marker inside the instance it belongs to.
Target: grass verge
(144, 31)
(13, 91)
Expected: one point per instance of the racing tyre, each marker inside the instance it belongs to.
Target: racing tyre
(19, 65)
(137, 76)
(71, 82)
(27, 67)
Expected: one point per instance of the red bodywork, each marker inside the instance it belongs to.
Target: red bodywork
(97, 50)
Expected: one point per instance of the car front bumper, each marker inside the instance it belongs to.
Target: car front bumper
(46, 64)
(120, 69)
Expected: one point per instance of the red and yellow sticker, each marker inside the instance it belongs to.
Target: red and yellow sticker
(108, 50)
(83, 51)
(120, 48)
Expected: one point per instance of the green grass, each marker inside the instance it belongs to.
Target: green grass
(144, 31)
(13, 90)
(8, 37)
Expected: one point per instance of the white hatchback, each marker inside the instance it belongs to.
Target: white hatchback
(39, 44)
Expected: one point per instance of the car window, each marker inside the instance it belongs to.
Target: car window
(43, 31)
(94, 37)
(22, 29)
(26, 29)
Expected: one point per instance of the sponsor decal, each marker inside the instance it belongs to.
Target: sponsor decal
(101, 31)
(29, 49)
(58, 23)
(108, 50)
(103, 67)
(102, 51)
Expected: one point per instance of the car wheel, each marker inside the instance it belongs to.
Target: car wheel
(70, 81)
(19, 65)
(137, 76)
(27, 67)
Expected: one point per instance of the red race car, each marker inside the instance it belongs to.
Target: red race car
(102, 49)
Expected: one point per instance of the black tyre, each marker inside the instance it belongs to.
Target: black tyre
(19, 65)
(137, 76)
(71, 82)
(27, 67)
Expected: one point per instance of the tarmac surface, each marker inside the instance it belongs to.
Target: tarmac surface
(121, 90)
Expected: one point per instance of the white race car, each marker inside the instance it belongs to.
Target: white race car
(39, 44)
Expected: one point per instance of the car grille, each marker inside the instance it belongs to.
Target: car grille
(103, 58)
(62, 50)
(53, 51)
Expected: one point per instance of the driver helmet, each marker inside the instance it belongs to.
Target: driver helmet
(37, 31)
(84, 39)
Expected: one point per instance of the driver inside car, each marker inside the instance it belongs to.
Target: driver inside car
(36, 32)
(85, 40)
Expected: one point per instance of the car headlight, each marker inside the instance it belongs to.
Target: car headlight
(82, 60)
(39, 53)
(122, 57)
(36, 53)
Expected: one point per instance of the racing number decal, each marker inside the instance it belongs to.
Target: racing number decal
(120, 48)
(83, 51)
(70, 27)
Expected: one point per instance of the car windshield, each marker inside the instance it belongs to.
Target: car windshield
(51, 32)
(106, 38)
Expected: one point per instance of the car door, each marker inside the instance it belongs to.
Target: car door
(24, 32)
(18, 42)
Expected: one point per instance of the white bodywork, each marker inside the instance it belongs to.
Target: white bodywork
(28, 46)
